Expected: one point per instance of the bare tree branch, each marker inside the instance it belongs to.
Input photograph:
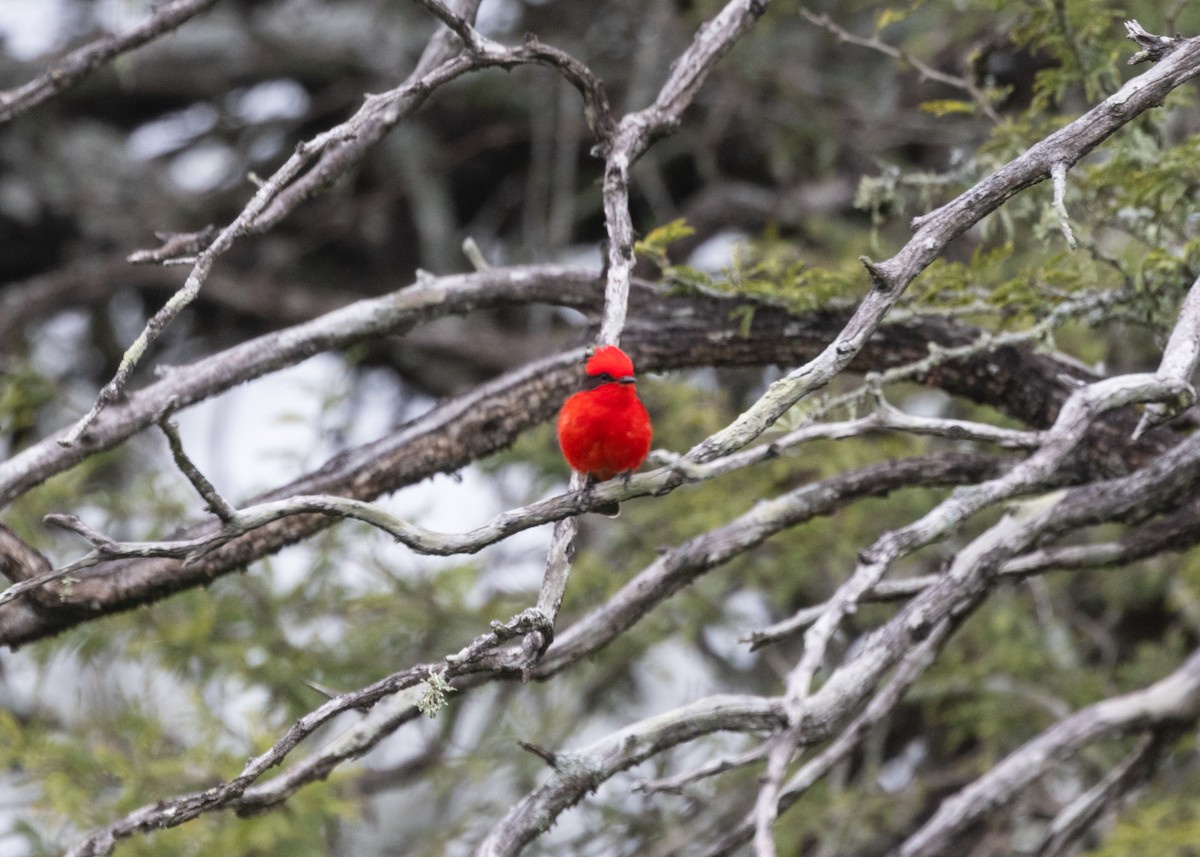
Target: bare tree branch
(938, 228)
(850, 737)
(205, 378)
(1179, 360)
(78, 64)
(391, 106)
(342, 155)
(1068, 430)
(953, 595)
(1174, 699)
(390, 707)
(1177, 531)
(239, 522)
(1031, 387)
(679, 567)
(1081, 456)
(581, 771)
(1070, 824)
(305, 153)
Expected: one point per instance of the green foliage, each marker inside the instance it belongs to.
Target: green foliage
(654, 246)
(114, 762)
(900, 193)
(1085, 41)
(947, 106)
(24, 393)
(1140, 197)
(769, 270)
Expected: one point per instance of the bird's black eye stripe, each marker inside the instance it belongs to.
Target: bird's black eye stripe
(591, 382)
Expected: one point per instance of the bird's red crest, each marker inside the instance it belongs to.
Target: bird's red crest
(611, 360)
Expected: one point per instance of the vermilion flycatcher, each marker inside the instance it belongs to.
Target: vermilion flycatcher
(604, 429)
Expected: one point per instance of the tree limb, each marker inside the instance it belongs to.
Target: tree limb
(934, 231)
(1174, 699)
(78, 64)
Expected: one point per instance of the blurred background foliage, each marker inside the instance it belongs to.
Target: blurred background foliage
(802, 153)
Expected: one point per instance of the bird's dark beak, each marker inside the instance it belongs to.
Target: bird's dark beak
(627, 379)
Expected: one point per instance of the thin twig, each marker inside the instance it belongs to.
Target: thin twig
(1075, 819)
(217, 504)
(1058, 175)
(926, 71)
(78, 64)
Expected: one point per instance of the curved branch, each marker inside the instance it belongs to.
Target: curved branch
(578, 772)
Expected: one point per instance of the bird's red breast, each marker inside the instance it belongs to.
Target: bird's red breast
(604, 429)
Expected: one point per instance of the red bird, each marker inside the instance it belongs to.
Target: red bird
(604, 429)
